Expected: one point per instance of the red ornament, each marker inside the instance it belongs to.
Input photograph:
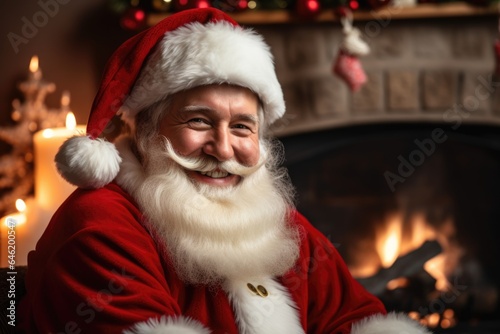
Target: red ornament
(354, 5)
(230, 5)
(307, 8)
(133, 19)
(180, 5)
(496, 73)
(242, 4)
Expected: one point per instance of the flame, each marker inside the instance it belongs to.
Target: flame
(65, 99)
(398, 235)
(20, 205)
(420, 232)
(444, 320)
(435, 268)
(70, 121)
(433, 320)
(18, 218)
(449, 319)
(389, 241)
(34, 64)
(397, 283)
(48, 133)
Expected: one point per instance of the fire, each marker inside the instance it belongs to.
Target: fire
(445, 320)
(396, 237)
(388, 242)
(396, 283)
(435, 267)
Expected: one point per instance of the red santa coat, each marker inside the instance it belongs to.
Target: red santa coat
(96, 269)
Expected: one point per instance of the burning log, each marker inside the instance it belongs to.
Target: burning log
(405, 266)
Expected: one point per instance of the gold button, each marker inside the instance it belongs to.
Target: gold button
(252, 288)
(262, 291)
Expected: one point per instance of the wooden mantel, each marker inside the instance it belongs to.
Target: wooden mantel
(421, 11)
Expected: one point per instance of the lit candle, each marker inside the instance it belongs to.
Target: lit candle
(50, 188)
(13, 232)
(36, 72)
(20, 232)
(34, 82)
(36, 88)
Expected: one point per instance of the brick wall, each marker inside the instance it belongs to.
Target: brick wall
(424, 69)
(419, 70)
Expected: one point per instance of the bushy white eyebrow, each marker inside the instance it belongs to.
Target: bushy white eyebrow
(254, 119)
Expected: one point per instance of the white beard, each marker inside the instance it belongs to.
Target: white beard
(214, 234)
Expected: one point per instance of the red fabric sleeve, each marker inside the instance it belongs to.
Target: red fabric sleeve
(95, 270)
(322, 281)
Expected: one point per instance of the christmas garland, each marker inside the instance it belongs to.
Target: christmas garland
(134, 12)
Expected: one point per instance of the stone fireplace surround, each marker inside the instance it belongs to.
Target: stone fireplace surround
(436, 69)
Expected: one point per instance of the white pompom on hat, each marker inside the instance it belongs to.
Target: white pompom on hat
(185, 50)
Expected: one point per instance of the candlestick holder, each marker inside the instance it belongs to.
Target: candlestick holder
(29, 116)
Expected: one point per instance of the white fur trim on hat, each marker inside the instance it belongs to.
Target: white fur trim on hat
(196, 54)
(168, 325)
(392, 323)
(88, 163)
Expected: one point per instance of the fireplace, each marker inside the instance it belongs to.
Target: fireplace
(403, 175)
(412, 208)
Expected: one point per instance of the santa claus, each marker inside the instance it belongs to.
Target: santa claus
(185, 223)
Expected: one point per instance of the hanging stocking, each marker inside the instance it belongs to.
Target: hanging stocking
(347, 64)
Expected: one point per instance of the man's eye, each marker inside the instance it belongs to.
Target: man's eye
(243, 129)
(198, 123)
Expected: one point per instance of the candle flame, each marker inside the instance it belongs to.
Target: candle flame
(34, 64)
(16, 219)
(70, 121)
(65, 99)
(48, 133)
(20, 205)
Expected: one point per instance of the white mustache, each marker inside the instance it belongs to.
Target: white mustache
(204, 164)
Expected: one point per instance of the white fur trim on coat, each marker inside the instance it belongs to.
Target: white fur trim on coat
(392, 323)
(168, 325)
(276, 313)
(196, 54)
(88, 163)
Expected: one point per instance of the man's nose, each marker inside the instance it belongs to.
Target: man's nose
(220, 146)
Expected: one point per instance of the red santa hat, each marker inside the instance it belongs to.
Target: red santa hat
(188, 49)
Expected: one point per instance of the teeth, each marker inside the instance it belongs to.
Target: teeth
(215, 174)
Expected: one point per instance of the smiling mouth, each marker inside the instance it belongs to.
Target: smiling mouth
(215, 174)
